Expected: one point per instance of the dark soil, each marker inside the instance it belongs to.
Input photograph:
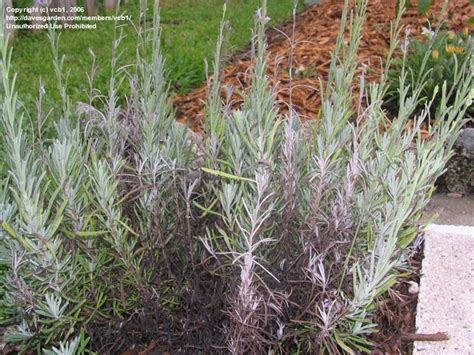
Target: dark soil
(396, 312)
(396, 317)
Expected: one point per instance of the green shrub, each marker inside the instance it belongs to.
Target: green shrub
(263, 234)
(429, 63)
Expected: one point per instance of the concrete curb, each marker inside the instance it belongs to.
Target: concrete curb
(451, 229)
(446, 299)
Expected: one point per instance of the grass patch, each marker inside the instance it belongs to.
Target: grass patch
(189, 28)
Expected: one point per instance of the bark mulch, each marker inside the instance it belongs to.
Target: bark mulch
(315, 36)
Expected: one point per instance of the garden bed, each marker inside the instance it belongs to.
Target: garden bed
(396, 316)
(270, 233)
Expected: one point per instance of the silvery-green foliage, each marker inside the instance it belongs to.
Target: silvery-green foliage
(163, 150)
(22, 333)
(247, 142)
(67, 156)
(7, 209)
(38, 262)
(290, 230)
(339, 205)
(74, 346)
(63, 221)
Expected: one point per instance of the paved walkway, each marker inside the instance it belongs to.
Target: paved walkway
(451, 210)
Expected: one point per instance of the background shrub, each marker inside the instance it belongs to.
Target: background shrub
(432, 61)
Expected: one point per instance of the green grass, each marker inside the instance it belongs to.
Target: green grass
(189, 34)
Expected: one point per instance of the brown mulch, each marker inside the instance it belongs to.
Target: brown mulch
(315, 36)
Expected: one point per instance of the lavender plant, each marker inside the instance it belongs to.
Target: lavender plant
(265, 234)
(335, 204)
(75, 261)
